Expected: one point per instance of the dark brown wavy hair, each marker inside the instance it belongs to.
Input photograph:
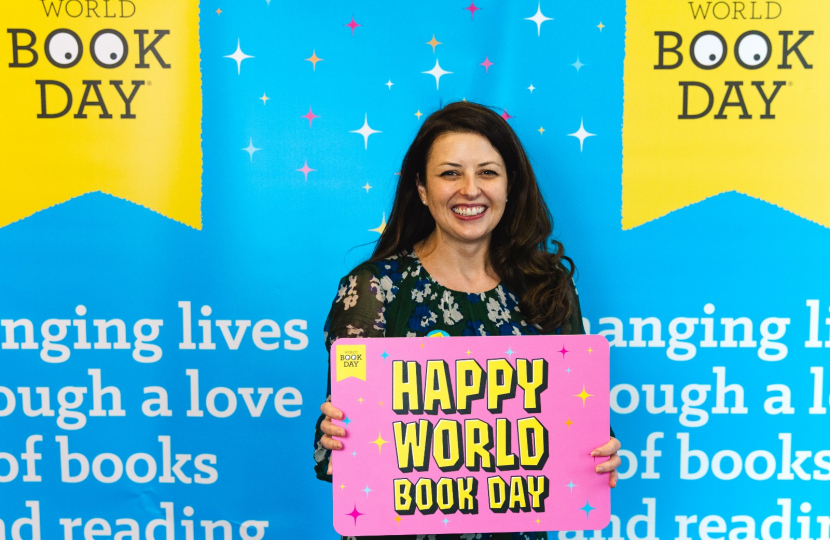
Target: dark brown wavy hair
(519, 250)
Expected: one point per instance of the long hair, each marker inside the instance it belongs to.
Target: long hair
(519, 251)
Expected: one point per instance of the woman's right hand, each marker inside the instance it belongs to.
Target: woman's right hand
(330, 430)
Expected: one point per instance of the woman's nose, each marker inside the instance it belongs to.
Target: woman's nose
(470, 187)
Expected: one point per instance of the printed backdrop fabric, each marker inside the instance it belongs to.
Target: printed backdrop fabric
(163, 362)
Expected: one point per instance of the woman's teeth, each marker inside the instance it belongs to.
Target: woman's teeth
(468, 210)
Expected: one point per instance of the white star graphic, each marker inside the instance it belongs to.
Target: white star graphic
(581, 134)
(531, 88)
(365, 131)
(390, 84)
(577, 64)
(251, 149)
(437, 72)
(538, 19)
(239, 56)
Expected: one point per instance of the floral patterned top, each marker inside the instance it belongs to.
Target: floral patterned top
(396, 297)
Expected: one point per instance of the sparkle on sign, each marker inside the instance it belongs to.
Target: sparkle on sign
(355, 514)
(541, 130)
(367, 187)
(509, 352)
(385, 354)
(390, 84)
(379, 442)
(600, 26)
(584, 395)
(538, 18)
(563, 351)
(531, 88)
(587, 508)
(218, 11)
(568, 423)
(568, 371)
(571, 485)
(472, 9)
(264, 99)
(305, 170)
(313, 59)
(366, 490)
(445, 522)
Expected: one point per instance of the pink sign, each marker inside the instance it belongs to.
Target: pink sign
(470, 434)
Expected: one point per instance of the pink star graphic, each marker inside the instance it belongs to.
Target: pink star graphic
(306, 169)
(352, 25)
(311, 116)
(487, 63)
(472, 9)
(563, 351)
(505, 115)
(354, 513)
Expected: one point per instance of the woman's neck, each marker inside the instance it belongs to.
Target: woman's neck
(457, 265)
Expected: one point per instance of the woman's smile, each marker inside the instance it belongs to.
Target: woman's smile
(469, 212)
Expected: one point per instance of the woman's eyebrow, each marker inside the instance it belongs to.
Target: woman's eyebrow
(450, 164)
(489, 163)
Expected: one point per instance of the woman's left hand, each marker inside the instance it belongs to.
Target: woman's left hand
(609, 449)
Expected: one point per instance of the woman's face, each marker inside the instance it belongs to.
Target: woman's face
(465, 187)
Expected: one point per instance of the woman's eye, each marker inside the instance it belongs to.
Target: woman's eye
(489, 173)
(449, 173)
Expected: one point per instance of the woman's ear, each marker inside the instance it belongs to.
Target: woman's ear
(422, 189)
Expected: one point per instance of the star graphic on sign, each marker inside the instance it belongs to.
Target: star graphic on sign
(600, 26)
(239, 56)
(578, 65)
(380, 403)
(251, 149)
(306, 169)
(568, 423)
(310, 116)
(538, 521)
(445, 521)
(366, 490)
(347, 421)
(538, 18)
(587, 509)
(382, 227)
(563, 351)
(365, 130)
(390, 84)
(419, 114)
(581, 134)
(218, 11)
(437, 72)
(434, 42)
(264, 99)
(385, 354)
(313, 59)
(367, 187)
(568, 371)
(352, 25)
(398, 519)
(360, 400)
(583, 395)
(590, 351)
(468, 352)
(354, 454)
(487, 63)
(505, 115)
(541, 130)
(379, 441)
(342, 486)
(354, 513)
(472, 9)
(571, 485)
(509, 352)
(531, 88)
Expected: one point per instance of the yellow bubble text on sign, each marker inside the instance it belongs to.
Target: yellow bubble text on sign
(741, 82)
(350, 361)
(133, 127)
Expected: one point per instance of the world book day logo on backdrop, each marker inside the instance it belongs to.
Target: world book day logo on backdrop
(726, 96)
(100, 96)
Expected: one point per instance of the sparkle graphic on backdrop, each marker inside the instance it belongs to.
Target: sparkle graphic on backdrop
(365, 131)
(238, 56)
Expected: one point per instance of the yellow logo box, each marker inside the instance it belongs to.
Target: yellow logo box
(350, 361)
(726, 96)
(101, 96)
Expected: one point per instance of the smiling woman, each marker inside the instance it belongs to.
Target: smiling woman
(465, 253)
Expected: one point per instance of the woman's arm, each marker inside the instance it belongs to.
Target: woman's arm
(358, 310)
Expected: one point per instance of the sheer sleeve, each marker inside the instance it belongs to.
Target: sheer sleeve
(576, 326)
(358, 310)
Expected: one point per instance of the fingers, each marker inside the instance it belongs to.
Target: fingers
(328, 427)
(330, 444)
(609, 465)
(329, 410)
(607, 449)
(612, 478)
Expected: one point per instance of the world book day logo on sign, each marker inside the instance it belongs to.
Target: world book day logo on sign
(100, 96)
(726, 96)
